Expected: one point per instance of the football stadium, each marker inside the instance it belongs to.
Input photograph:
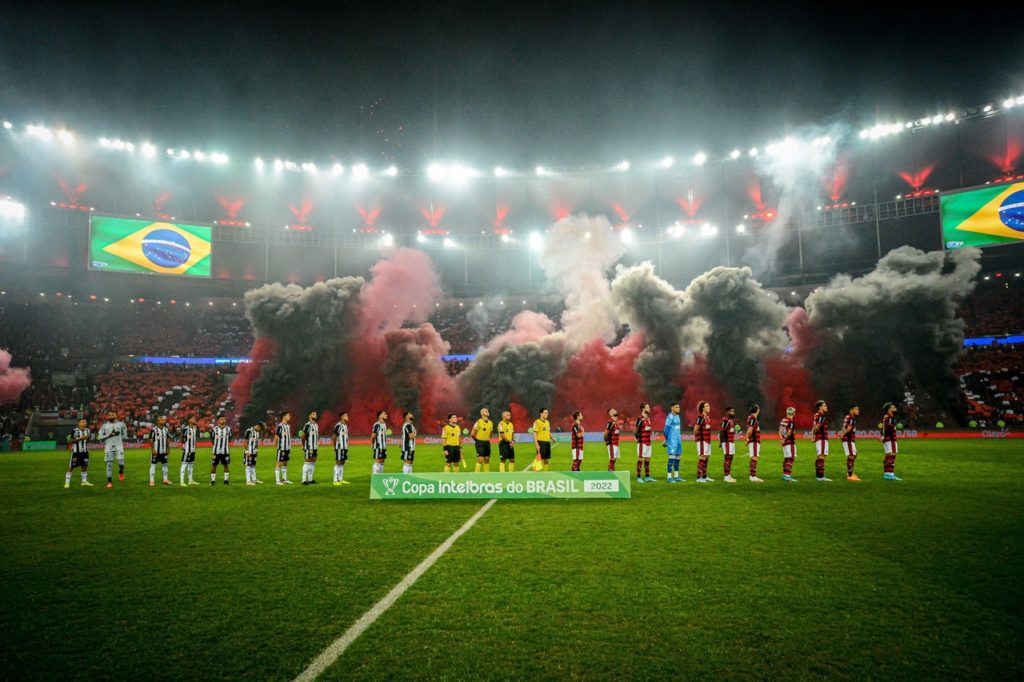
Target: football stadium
(530, 343)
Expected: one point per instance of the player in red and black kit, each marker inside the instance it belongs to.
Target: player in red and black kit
(787, 437)
(702, 437)
(848, 437)
(642, 430)
(754, 441)
(820, 433)
(727, 441)
(611, 437)
(889, 442)
(577, 440)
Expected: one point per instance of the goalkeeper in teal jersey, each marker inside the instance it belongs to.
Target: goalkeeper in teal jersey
(674, 443)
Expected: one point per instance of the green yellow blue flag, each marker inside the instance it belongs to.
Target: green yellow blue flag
(983, 217)
(146, 246)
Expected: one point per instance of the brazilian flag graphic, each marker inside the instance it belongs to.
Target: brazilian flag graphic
(983, 217)
(145, 246)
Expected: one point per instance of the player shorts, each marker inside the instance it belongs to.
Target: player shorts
(821, 448)
(284, 455)
(79, 459)
(643, 450)
(380, 454)
(188, 457)
(222, 458)
(577, 453)
(109, 454)
(483, 448)
(506, 452)
(728, 449)
(675, 451)
(850, 448)
(789, 451)
(158, 458)
(249, 458)
(703, 448)
(452, 454)
(340, 455)
(311, 454)
(890, 447)
(754, 448)
(408, 455)
(613, 451)
(544, 447)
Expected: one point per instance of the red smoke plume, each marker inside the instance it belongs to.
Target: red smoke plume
(13, 380)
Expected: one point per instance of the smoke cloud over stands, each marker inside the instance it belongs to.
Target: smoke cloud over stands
(13, 380)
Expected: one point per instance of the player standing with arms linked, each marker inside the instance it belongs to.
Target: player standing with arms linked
(408, 443)
(309, 434)
(787, 438)
(379, 440)
(727, 441)
(112, 434)
(159, 437)
(221, 450)
(340, 449)
(481, 435)
(754, 441)
(577, 440)
(251, 451)
(673, 442)
(888, 439)
(642, 431)
(702, 438)
(79, 453)
(611, 437)
(820, 433)
(506, 443)
(283, 445)
(189, 436)
(848, 437)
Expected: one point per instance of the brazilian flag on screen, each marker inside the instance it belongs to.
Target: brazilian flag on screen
(983, 217)
(146, 246)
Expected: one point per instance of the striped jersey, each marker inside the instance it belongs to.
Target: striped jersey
(408, 437)
(821, 421)
(577, 437)
(787, 431)
(703, 429)
(159, 436)
(727, 434)
(341, 436)
(611, 432)
(310, 436)
(889, 428)
(252, 440)
(755, 429)
(849, 422)
(188, 438)
(221, 440)
(78, 445)
(643, 430)
(284, 437)
(380, 436)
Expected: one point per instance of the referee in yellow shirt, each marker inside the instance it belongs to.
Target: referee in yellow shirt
(452, 439)
(481, 434)
(542, 437)
(506, 442)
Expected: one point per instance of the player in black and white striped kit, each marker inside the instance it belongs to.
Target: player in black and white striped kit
(379, 442)
(79, 453)
(283, 443)
(159, 437)
(221, 450)
(408, 443)
(340, 448)
(252, 447)
(310, 436)
(189, 435)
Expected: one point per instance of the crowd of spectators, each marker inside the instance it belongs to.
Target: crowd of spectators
(995, 308)
(992, 378)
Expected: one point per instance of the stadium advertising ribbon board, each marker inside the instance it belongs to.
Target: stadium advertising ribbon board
(149, 247)
(525, 485)
(983, 217)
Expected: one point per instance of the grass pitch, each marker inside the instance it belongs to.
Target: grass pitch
(922, 578)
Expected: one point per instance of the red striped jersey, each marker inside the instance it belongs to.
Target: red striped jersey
(728, 432)
(703, 428)
(849, 422)
(643, 429)
(755, 429)
(889, 428)
(787, 427)
(821, 421)
(577, 437)
(611, 433)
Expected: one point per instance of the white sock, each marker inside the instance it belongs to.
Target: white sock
(164, 469)
(226, 474)
(85, 476)
(284, 473)
(184, 471)
(152, 472)
(191, 471)
(277, 474)
(406, 469)
(67, 477)
(341, 472)
(312, 470)
(110, 469)
(213, 477)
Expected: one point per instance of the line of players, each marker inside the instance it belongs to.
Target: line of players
(113, 432)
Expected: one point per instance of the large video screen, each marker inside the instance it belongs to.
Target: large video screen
(149, 247)
(983, 217)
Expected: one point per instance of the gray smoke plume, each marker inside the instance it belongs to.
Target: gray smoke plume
(307, 326)
(742, 324)
(893, 327)
(411, 369)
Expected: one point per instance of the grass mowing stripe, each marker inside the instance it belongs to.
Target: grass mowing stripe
(338, 646)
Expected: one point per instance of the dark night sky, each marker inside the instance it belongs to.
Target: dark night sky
(529, 83)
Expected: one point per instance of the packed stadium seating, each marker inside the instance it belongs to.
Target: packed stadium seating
(993, 382)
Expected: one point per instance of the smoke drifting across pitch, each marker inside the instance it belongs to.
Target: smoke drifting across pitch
(13, 380)
(871, 336)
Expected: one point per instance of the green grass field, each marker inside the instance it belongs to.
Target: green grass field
(922, 578)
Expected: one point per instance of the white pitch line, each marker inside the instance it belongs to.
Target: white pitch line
(338, 646)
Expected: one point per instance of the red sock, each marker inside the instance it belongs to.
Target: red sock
(753, 467)
(611, 464)
(727, 465)
(819, 467)
(787, 466)
(639, 466)
(849, 465)
(647, 467)
(575, 465)
(890, 464)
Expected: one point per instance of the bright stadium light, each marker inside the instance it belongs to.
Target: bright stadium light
(391, 171)
(536, 241)
(950, 116)
(700, 158)
(753, 152)
(337, 169)
(219, 158)
(734, 154)
(9, 208)
(437, 172)
(360, 171)
(500, 172)
(422, 239)
(541, 170)
(708, 230)
(622, 166)
(586, 235)
(741, 229)
(278, 165)
(667, 162)
(309, 167)
(506, 238)
(448, 243)
(65, 137)
(459, 174)
(199, 155)
(8, 125)
(1019, 100)
(291, 166)
(259, 163)
(626, 236)
(387, 239)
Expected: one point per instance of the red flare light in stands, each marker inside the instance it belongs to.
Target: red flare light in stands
(918, 178)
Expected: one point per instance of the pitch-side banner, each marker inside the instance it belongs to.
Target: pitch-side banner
(521, 485)
(147, 246)
(983, 217)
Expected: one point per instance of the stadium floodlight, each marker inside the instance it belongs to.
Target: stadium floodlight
(42, 132)
(259, 163)
(626, 236)
(337, 169)
(586, 235)
(500, 172)
(700, 158)
(278, 165)
(130, 147)
(9, 208)
(1008, 104)
(506, 238)
(148, 150)
(219, 158)
(291, 166)
(199, 155)
(184, 154)
(753, 152)
(391, 171)
(622, 166)
(422, 239)
(437, 172)
(360, 171)
(741, 229)
(1019, 100)
(708, 230)
(65, 136)
(667, 162)
(448, 243)
(8, 125)
(459, 173)
(536, 241)
(541, 170)
(734, 154)
(309, 167)
(987, 108)
(950, 116)
(387, 240)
